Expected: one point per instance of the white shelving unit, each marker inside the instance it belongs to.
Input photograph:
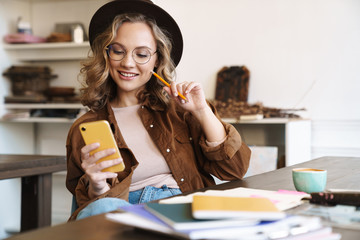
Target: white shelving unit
(291, 136)
(44, 135)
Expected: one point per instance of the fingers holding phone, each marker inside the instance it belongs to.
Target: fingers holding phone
(92, 162)
(99, 132)
(93, 170)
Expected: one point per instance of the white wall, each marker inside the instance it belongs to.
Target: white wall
(301, 54)
(288, 46)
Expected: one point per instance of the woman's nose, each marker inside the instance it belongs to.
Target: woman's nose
(128, 61)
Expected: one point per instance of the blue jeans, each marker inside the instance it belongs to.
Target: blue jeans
(147, 194)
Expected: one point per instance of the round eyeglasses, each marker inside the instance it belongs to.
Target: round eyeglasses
(141, 55)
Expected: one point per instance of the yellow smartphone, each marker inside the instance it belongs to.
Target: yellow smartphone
(100, 131)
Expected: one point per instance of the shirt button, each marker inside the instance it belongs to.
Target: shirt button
(168, 150)
(190, 138)
(182, 180)
(151, 126)
(142, 106)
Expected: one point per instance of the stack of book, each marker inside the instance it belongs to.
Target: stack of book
(219, 217)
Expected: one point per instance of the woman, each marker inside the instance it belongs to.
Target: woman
(168, 145)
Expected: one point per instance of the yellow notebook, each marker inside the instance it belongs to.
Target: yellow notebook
(217, 207)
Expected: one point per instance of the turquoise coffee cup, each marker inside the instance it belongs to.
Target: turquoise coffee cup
(309, 180)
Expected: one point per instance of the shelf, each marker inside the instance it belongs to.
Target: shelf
(33, 52)
(26, 118)
(40, 120)
(51, 45)
(44, 106)
(262, 121)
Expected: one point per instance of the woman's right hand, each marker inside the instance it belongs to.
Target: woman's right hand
(97, 178)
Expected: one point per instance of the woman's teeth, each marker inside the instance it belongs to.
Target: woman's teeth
(128, 74)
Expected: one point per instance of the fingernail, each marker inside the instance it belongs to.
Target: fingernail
(182, 101)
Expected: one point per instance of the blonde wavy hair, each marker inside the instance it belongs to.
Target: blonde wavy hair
(98, 87)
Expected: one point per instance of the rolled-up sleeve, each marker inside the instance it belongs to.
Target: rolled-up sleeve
(230, 159)
(227, 149)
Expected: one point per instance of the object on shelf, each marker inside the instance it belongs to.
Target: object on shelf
(251, 117)
(232, 84)
(26, 99)
(23, 26)
(16, 114)
(67, 32)
(59, 37)
(243, 110)
(62, 95)
(23, 38)
(64, 99)
(28, 83)
(61, 91)
(77, 33)
(55, 113)
(23, 34)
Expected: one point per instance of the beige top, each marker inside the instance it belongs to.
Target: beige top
(153, 169)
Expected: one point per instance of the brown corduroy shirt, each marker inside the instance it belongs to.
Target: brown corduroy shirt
(178, 136)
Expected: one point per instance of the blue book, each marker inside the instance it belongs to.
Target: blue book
(179, 217)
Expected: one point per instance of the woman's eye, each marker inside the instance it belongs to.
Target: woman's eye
(118, 52)
(142, 55)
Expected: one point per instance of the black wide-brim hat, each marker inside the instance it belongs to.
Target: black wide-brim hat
(105, 15)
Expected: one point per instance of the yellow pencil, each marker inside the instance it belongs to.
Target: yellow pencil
(166, 83)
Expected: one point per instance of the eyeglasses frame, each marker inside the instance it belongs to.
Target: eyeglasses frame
(108, 48)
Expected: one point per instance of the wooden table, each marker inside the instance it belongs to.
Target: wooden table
(342, 173)
(36, 183)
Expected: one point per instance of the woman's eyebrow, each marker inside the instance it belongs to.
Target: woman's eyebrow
(117, 43)
(141, 46)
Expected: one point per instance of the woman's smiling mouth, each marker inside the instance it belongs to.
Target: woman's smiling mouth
(128, 75)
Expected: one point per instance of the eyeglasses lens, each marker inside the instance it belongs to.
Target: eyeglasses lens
(140, 55)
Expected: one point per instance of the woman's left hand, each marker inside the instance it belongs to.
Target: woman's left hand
(195, 97)
(196, 104)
